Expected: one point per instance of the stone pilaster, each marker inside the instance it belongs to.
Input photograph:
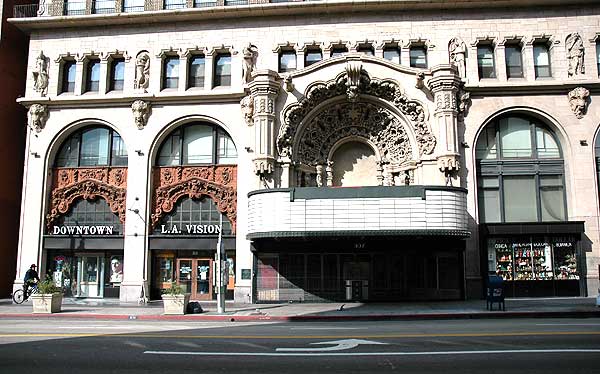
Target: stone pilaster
(444, 86)
(264, 89)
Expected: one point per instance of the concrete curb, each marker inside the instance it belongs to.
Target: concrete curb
(307, 318)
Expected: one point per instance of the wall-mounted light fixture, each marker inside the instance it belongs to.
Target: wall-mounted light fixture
(583, 142)
(139, 152)
(35, 154)
(464, 144)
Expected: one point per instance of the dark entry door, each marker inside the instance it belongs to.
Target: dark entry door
(196, 277)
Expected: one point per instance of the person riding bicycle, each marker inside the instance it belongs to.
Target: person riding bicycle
(31, 278)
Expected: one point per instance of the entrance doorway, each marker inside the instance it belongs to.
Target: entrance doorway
(90, 276)
(195, 276)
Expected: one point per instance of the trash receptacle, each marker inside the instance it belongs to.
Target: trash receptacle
(495, 292)
(357, 290)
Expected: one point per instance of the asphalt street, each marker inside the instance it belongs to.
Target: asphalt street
(450, 346)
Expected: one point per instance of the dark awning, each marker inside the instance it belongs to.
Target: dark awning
(575, 228)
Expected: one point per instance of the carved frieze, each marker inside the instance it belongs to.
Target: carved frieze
(382, 89)
(70, 184)
(365, 120)
(37, 117)
(578, 100)
(219, 182)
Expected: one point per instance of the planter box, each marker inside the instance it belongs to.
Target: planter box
(46, 303)
(176, 304)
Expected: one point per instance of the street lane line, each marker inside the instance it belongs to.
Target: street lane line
(567, 324)
(289, 337)
(313, 354)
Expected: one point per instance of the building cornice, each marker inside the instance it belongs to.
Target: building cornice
(295, 8)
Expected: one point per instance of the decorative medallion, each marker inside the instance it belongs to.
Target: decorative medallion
(141, 112)
(37, 117)
(219, 182)
(578, 100)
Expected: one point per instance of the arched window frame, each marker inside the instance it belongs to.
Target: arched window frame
(492, 173)
(114, 158)
(194, 212)
(177, 136)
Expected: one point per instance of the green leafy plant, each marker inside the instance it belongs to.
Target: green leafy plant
(174, 290)
(47, 286)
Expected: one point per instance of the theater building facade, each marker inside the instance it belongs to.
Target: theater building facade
(377, 154)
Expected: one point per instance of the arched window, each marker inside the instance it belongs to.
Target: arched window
(193, 217)
(91, 147)
(93, 216)
(520, 172)
(197, 143)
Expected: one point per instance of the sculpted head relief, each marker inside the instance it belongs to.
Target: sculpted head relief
(141, 113)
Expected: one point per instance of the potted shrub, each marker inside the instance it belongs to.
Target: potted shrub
(175, 301)
(49, 297)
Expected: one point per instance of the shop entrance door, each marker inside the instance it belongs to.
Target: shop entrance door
(195, 275)
(90, 276)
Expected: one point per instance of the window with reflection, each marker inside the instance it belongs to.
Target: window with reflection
(520, 172)
(171, 72)
(287, 61)
(418, 57)
(117, 74)
(91, 147)
(68, 77)
(312, 56)
(485, 61)
(366, 49)
(196, 71)
(339, 50)
(197, 143)
(392, 53)
(92, 76)
(194, 216)
(222, 70)
(514, 61)
(541, 60)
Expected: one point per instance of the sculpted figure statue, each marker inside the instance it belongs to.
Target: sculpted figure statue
(457, 51)
(247, 104)
(142, 71)
(250, 57)
(575, 54)
(40, 74)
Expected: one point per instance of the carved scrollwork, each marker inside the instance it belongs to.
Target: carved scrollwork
(88, 184)
(343, 120)
(219, 182)
(383, 89)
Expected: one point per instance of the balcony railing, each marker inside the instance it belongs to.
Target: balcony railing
(81, 7)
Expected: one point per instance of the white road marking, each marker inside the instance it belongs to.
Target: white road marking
(354, 354)
(567, 324)
(338, 345)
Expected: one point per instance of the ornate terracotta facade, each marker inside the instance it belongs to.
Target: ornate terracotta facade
(219, 182)
(69, 184)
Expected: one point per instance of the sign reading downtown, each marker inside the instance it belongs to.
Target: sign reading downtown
(83, 230)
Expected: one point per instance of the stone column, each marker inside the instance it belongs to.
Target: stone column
(445, 85)
(183, 71)
(104, 75)
(264, 89)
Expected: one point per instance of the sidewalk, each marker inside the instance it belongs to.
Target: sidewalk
(112, 309)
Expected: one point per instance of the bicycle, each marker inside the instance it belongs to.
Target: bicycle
(18, 294)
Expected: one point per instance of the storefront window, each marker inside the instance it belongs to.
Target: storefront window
(88, 217)
(533, 258)
(194, 217)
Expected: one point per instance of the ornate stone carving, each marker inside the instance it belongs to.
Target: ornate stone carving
(420, 77)
(219, 182)
(247, 105)
(578, 100)
(575, 54)
(250, 56)
(457, 51)
(445, 101)
(263, 165)
(89, 184)
(142, 71)
(141, 112)
(40, 74)
(381, 89)
(288, 84)
(464, 102)
(342, 120)
(353, 71)
(37, 117)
